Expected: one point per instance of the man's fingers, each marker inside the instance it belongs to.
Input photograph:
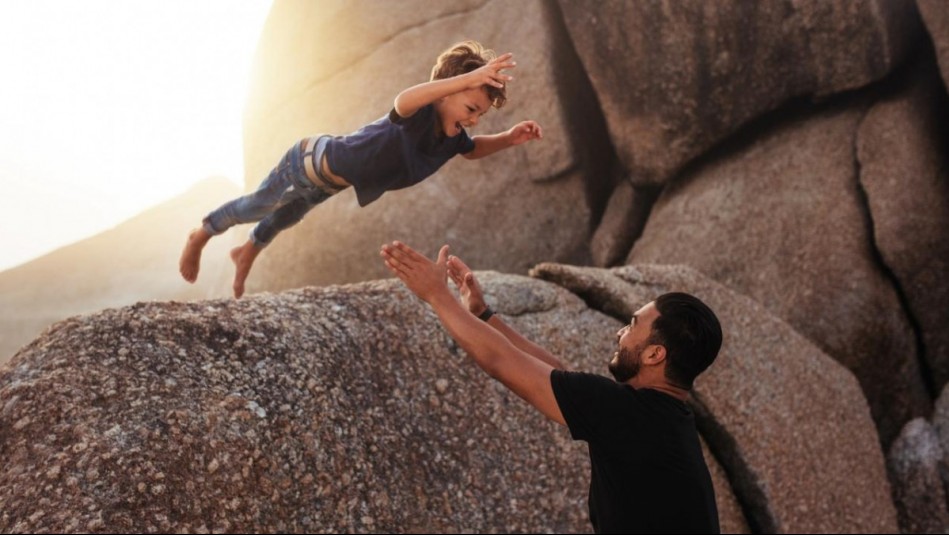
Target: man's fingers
(408, 254)
(459, 264)
(393, 259)
(443, 256)
(455, 276)
(393, 269)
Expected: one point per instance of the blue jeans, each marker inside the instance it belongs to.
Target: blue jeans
(280, 202)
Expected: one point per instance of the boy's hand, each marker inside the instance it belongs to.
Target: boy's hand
(471, 294)
(425, 278)
(523, 132)
(490, 73)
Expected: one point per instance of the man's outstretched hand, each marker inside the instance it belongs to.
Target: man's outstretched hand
(471, 294)
(425, 278)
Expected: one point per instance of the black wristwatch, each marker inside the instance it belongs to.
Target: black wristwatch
(486, 315)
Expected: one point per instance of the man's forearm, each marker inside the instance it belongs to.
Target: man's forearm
(524, 344)
(484, 343)
(526, 376)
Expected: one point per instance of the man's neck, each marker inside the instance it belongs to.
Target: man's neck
(663, 386)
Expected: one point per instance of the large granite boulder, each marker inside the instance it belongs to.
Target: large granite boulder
(788, 423)
(335, 409)
(346, 62)
(904, 170)
(675, 78)
(782, 218)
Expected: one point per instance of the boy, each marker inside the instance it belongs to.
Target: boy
(424, 129)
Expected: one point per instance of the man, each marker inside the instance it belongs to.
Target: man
(648, 473)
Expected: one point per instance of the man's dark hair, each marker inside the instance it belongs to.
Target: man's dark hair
(691, 334)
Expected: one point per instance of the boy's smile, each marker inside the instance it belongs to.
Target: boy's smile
(462, 110)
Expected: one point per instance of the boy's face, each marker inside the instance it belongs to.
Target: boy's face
(462, 110)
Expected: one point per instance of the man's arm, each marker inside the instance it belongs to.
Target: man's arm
(418, 96)
(473, 297)
(525, 375)
(520, 133)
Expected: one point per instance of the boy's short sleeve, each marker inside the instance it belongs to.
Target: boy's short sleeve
(465, 143)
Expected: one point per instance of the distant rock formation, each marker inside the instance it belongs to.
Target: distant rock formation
(135, 261)
(348, 408)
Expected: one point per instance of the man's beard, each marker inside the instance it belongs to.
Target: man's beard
(626, 364)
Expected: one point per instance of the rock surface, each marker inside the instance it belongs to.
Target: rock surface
(914, 463)
(335, 409)
(782, 218)
(675, 78)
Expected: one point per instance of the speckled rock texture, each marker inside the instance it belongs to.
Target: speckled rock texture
(788, 423)
(904, 170)
(914, 463)
(335, 409)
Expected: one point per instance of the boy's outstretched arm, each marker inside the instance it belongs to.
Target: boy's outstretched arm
(418, 96)
(525, 375)
(522, 132)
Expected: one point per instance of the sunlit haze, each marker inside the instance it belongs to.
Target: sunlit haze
(110, 107)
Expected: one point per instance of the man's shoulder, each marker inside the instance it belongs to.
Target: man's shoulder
(588, 385)
(581, 377)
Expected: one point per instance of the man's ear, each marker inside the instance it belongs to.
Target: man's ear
(656, 354)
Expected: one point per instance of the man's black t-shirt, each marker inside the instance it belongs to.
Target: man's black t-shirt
(648, 473)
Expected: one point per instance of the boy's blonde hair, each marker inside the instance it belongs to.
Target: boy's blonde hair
(465, 57)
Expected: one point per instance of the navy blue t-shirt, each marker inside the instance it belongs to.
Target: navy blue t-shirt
(393, 152)
(648, 472)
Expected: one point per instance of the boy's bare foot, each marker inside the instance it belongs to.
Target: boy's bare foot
(190, 260)
(243, 258)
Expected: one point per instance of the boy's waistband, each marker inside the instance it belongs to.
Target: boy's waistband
(313, 150)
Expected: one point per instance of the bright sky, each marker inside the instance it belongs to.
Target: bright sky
(108, 107)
